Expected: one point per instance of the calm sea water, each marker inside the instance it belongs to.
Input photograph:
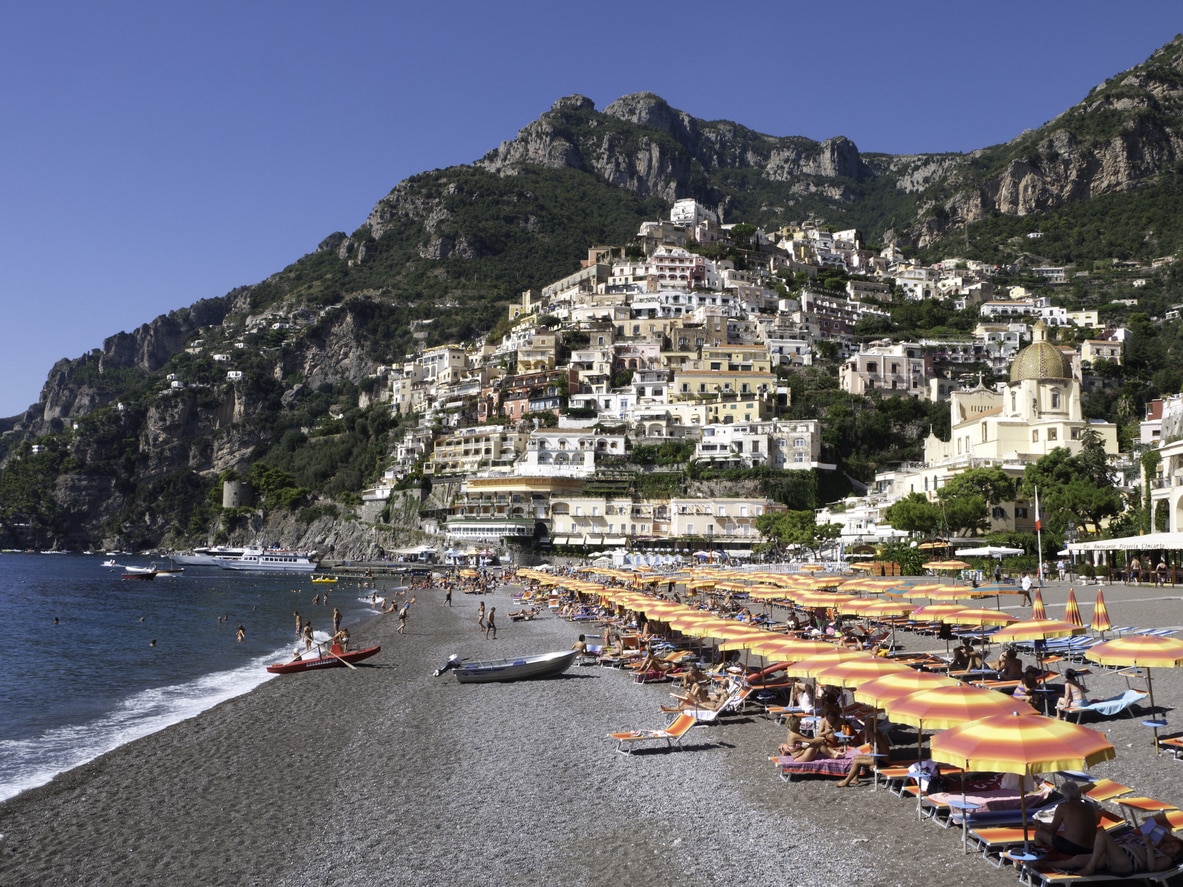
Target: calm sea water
(73, 690)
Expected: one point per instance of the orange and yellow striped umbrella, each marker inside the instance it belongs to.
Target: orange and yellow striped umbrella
(1100, 623)
(1038, 610)
(1072, 610)
(1037, 630)
(979, 616)
(787, 650)
(1017, 744)
(939, 708)
(1025, 745)
(806, 668)
(1142, 651)
(854, 672)
(891, 686)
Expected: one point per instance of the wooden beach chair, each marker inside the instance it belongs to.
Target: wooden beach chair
(672, 735)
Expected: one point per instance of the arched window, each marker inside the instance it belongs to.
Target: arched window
(1055, 398)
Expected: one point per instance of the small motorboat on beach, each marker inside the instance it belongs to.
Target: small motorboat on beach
(332, 657)
(523, 668)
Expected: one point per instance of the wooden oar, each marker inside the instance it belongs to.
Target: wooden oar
(322, 647)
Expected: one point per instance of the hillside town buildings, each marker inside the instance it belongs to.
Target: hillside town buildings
(533, 437)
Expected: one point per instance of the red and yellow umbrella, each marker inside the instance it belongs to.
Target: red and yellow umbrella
(806, 668)
(1038, 610)
(896, 684)
(1024, 745)
(1100, 623)
(853, 672)
(1037, 630)
(1141, 651)
(939, 708)
(1072, 610)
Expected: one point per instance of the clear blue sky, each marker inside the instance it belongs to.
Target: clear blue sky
(153, 154)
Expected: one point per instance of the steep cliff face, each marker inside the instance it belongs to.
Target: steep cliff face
(1122, 136)
(658, 150)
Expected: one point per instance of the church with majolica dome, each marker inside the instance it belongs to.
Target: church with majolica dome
(1009, 427)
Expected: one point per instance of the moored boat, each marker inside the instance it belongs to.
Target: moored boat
(325, 579)
(141, 573)
(521, 668)
(269, 560)
(207, 557)
(331, 658)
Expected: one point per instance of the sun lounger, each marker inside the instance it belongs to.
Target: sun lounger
(1175, 744)
(994, 840)
(998, 806)
(671, 735)
(1108, 708)
(831, 767)
(1033, 876)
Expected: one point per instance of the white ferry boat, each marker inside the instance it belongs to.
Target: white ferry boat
(208, 557)
(269, 560)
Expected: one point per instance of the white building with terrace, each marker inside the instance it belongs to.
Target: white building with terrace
(567, 452)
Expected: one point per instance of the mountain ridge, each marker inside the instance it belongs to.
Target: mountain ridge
(445, 251)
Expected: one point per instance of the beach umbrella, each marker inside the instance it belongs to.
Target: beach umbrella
(939, 708)
(1100, 623)
(1023, 745)
(1037, 630)
(853, 672)
(1072, 610)
(1141, 651)
(788, 649)
(896, 684)
(1038, 610)
(806, 668)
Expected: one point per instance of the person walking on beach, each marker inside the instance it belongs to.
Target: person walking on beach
(1026, 586)
(448, 595)
(336, 620)
(403, 612)
(480, 615)
(491, 626)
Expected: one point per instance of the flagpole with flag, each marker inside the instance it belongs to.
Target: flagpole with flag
(1039, 536)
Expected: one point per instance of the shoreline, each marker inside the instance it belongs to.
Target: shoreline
(387, 774)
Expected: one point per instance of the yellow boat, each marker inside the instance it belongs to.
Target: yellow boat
(324, 578)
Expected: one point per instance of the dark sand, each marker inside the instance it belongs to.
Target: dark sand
(386, 775)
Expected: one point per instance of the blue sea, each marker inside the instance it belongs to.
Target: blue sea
(92, 681)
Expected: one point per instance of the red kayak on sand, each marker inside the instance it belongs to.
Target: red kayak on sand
(334, 657)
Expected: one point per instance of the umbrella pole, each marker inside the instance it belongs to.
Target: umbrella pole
(1023, 809)
(1153, 718)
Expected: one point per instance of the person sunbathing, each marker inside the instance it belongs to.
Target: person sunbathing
(1075, 694)
(1131, 853)
(1073, 826)
(1009, 666)
(1028, 685)
(966, 658)
(861, 761)
(524, 613)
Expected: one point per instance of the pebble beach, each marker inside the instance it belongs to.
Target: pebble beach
(388, 775)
